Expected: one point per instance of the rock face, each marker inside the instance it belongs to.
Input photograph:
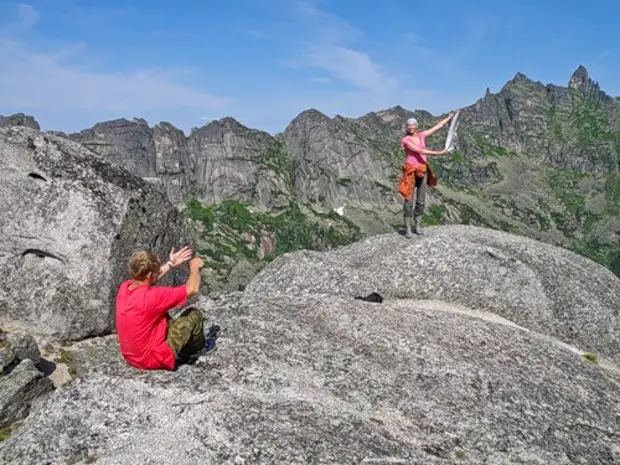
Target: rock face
(222, 160)
(234, 162)
(20, 380)
(159, 154)
(572, 127)
(308, 374)
(535, 285)
(335, 163)
(70, 224)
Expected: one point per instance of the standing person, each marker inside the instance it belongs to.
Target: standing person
(147, 338)
(417, 173)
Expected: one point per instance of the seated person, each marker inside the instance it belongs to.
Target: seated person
(148, 339)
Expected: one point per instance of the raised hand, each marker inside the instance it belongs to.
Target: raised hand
(180, 257)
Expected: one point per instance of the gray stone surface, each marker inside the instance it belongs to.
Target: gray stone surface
(541, 287)
(15, 347)
(18, 390)
(328, 379)
(70, 223)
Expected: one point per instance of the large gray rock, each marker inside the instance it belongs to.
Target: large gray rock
(21, 382)
(174, 166)
(70, 223)
(328, 379)
(221, 160)
(16, 347)
(18, 391)
(126, 143)
(541, 287)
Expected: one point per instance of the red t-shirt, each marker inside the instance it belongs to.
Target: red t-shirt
(141, 324)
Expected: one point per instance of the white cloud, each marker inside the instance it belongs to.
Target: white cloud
(27, 15)
(256, 33)
(63, 79)
(321, 80)
(332, 47)
(326, 27)
(33, 79)
(353, 66)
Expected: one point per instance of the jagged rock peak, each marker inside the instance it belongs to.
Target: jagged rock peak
(393, 113)
(312, 114)
(580, 80)
(165, 125)
(114, 123)
(227, 125)
(520, 77)
(400, 113)
(19, 119)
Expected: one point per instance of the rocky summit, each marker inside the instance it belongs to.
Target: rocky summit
(480, 371)
(535, 285)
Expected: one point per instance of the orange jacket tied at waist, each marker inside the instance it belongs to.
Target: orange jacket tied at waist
(406, 188)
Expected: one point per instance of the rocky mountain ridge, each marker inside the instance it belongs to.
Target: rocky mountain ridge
(539, 160)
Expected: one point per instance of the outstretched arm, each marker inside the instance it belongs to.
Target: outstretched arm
(439, 125)
(415, 148)
(193, 281)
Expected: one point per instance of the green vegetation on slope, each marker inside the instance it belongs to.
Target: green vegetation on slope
(277, 159)
(232, 232)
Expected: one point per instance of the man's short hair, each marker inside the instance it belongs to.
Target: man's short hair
(142, 263)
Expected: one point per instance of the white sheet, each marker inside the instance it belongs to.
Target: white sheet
(451, 133)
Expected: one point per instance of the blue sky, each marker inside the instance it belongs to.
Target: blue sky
(71, 63)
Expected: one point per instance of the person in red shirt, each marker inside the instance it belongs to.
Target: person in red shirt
(148, 338)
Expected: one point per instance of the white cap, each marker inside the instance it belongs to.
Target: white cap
(412, 121)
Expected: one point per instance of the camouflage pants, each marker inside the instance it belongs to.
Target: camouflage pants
(186, 334)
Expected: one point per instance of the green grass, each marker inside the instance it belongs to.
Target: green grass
(591, 357)
(590, 120)
(277, 158)
(564, 185)
(68, 358)
(434, 215)
(476, 143)
(612, 193)
(5, 433)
